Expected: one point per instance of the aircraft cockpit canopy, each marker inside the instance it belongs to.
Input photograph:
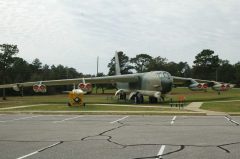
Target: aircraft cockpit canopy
(163, 74)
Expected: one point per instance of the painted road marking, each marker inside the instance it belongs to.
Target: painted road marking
(173, 119)
(21, 118)
(40, 150)
(119, 120)
(230, 119)
(160, 152)
(67, 119)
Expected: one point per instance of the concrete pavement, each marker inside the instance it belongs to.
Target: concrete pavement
(119, 136)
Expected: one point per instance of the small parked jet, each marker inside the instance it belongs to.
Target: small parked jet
(155, 84)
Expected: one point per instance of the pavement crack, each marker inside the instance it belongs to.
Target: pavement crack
(51, 146)
(226, 150)
(181, 147)
(41, 150)
(109, 137)
(229, 118)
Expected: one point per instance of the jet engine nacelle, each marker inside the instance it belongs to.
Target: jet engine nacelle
(222, 87)
(40, 88)
(155, 94)
(16, 88)
(198, 86)
(87, 87)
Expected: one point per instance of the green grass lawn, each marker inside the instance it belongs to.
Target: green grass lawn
(59, 102)
(210, 95)
(222, 107)
(209, 98)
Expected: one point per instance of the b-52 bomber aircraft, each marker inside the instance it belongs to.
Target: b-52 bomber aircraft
(155, 84)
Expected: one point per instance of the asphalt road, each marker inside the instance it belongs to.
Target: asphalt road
(118, 137)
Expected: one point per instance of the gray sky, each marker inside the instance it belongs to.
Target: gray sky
(73, 32)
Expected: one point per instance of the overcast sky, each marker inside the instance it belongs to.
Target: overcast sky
(73, 32)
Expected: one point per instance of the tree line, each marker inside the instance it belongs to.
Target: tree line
(207, 66)
(15, 69)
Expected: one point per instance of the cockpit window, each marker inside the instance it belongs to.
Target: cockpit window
(165, 74)
(161, 75)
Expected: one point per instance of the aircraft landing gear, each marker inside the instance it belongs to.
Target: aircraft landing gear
(163, 99)
(153, 100)
(122, 96)
(138, 98)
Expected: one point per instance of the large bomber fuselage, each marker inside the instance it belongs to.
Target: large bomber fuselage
(160, 81)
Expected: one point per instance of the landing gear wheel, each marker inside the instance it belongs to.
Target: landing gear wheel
(153, 100)
(162, 98)
(122, 96)
(138, 98)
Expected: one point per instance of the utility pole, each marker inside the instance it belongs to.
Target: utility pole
(67, 77)
(4, 91)
(97, 64)
(216, 74)
(97, 73)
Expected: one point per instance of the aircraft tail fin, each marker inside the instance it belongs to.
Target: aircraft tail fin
(117, 64)
(120, 85)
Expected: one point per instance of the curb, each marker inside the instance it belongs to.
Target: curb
(106, 113)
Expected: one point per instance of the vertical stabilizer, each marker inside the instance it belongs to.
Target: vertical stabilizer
(118, 72)
(117, 65)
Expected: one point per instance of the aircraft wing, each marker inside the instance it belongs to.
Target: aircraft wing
(182, 80)
(92, 80)
(199, 84)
